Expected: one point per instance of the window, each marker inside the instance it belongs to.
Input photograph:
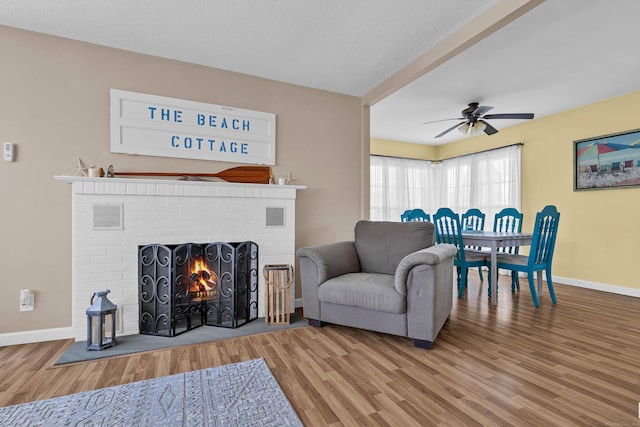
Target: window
(396, 184)
(489, 181)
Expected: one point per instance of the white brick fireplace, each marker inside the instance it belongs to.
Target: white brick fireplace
(113, 216)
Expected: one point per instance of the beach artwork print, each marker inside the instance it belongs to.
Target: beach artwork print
(609, 161)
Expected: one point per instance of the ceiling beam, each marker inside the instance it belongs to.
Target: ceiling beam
(492, 19)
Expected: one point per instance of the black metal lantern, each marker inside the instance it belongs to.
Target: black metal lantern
(101, 322)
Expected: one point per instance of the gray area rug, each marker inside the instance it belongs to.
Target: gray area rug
(137, 343)
(240, 394)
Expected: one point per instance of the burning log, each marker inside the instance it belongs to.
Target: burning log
(204, 281)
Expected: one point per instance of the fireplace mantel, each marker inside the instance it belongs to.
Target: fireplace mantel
(135, 185)
(166, 211)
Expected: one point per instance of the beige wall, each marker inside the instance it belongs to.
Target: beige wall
(599, 234)
(55, 107)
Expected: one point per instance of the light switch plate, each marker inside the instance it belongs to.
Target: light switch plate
(8, 151)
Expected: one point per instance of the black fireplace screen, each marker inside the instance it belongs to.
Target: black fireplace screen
(182, 287)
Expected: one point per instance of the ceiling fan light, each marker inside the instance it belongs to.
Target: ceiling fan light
(472, 129)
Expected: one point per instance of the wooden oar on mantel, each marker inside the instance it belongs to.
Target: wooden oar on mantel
(243, 174)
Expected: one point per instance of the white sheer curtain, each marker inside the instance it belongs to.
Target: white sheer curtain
(397, 184)
(489, 181)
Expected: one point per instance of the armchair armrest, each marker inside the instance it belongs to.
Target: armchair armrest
(321, 263)
(432, 255)
(426, 277)
(332, 260)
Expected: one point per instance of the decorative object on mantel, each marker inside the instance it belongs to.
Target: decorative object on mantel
(89, 171)
(289, 179)
(242, 174)
(95, 172)
(81, 169)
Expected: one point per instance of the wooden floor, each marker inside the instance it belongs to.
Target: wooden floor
(573, 364)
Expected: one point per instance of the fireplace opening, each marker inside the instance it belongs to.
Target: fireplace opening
(185, 286)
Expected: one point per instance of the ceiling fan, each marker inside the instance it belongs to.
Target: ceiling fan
(474, 120)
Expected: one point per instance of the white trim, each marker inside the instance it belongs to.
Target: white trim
(613, 289)
(603, 287)
(28, 337)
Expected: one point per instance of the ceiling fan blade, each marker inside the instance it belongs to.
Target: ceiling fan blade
(524, 116)
(448, 130)
(481, 110)
(443, 120)
(489, 130)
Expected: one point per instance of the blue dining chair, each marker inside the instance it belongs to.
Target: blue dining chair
(473, 219)
(449, 230)
(415, 215)
(540, 254)
(509, 220)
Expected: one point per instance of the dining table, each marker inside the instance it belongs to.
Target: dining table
(493, 240)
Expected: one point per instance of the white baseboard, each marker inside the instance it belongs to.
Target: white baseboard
(604, 287)
(28, 337)
(298, 302)
(614, 289)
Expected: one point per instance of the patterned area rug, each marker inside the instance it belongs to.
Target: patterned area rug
(240, 394)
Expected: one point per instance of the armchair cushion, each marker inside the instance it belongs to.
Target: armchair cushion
(367, 290)
(398, 239)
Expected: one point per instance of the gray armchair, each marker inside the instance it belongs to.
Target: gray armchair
(390, 279)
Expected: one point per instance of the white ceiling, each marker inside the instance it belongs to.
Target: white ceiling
(560, 55)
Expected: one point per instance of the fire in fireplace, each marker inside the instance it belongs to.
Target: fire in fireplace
(182, 287)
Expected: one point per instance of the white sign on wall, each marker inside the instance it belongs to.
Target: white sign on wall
(169, 127)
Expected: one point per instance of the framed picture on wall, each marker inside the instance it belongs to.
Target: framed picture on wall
(607, 161)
